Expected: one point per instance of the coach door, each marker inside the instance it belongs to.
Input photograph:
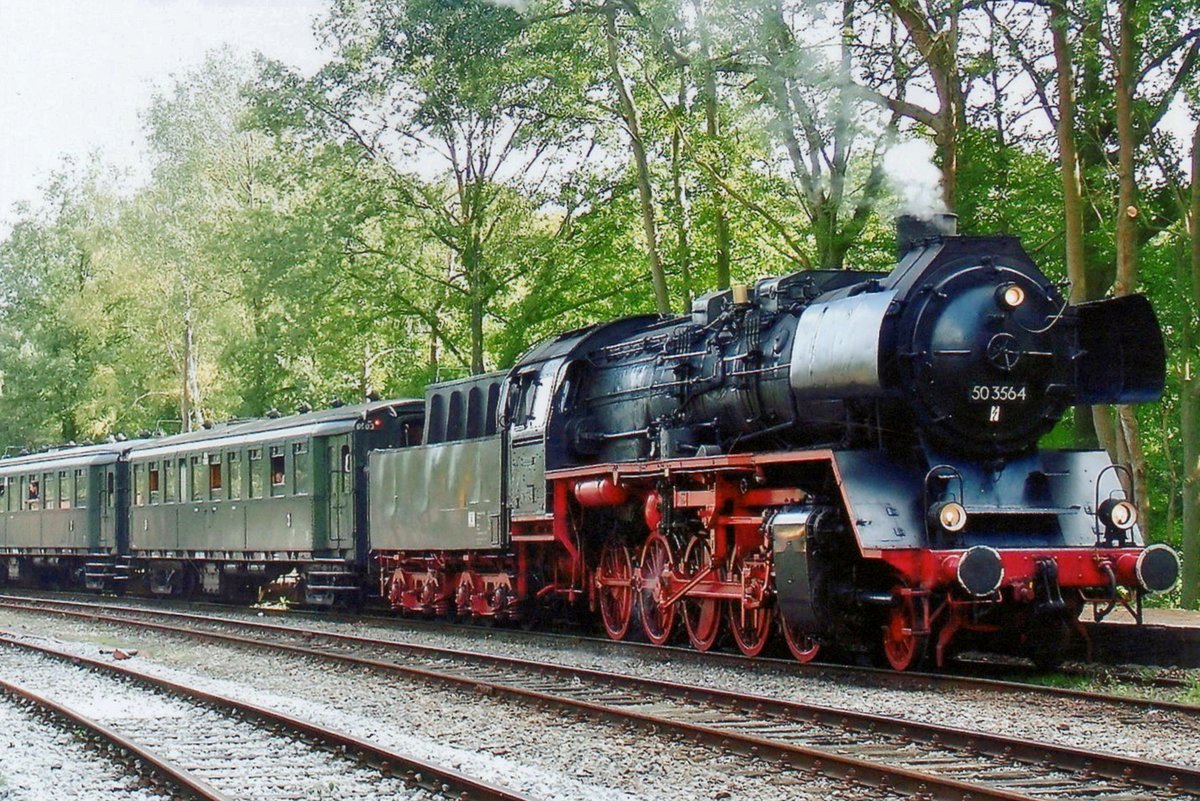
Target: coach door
(341, 491)
(107, 498)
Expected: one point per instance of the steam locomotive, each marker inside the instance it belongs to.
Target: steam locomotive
(846, 458)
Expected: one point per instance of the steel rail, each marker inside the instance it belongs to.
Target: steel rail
(190, 785)
(1091, 764)
(431, 777)
(906, 680)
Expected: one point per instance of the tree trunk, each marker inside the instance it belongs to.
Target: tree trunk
(1126, 232)
(1190, 404)
(679, 196)
(629, 115)
(939, 49)
(434, 334)
(476, 334)
(1127, 210)
(1068, 159)
(190, 411)
(712, 123)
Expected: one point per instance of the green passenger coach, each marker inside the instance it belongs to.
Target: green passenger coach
(60, 518)
(227, 510)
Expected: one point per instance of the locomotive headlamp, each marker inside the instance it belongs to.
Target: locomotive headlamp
(950, 515)
(1010, 296)
(1118, 514)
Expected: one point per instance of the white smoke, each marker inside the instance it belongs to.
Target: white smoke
(914, 178)
(519, 6)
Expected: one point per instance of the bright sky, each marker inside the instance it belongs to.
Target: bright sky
(74, 74)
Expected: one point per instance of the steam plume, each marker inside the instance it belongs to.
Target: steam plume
(914, 178)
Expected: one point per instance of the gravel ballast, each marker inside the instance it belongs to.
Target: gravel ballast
(546, 755)
(238, 757)
(41, 760)
(540, 753)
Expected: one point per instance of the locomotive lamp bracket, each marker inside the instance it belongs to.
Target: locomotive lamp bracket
(1107, 533)
(944, 473)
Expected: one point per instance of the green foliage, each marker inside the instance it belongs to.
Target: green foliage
(457, 183)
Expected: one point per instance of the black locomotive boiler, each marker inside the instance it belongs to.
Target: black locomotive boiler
(848, 457)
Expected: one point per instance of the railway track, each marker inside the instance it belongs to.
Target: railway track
(152, 767)
(897, 755)
(228, 748)
(985, 674)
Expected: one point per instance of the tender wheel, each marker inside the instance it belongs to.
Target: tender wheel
(901, 647)
(614, 580)
(802, 646)
(701, 616)
(658, 619)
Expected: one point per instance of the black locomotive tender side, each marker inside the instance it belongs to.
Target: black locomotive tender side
(846, 458)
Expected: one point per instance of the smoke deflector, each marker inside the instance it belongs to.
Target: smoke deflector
(1123, 358)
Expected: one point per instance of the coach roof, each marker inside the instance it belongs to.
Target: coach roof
(66, 457)
(335, 420)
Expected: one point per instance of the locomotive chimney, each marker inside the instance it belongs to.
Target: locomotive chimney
(913, 231)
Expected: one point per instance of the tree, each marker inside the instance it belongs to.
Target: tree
(55, 336)
(464, 89)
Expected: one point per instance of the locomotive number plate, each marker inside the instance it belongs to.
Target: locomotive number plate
(997, 393)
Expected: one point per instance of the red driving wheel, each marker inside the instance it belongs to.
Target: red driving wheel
(658, 618)
(614, 581)
(701, 616)
(802, 646)
(901, 646)
(750, 625)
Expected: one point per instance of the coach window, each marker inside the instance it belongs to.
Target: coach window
(64, 490)
(170, 482)
(49, 491)
(493, 400)
(152, 482)
(347, 463)
(300, 467)
(235, 475)
(476, 413)
(255, 468)
(278, 472)
(81, 489)
(199, 477)
(215, 483)
(437, 419)
(139, 484)
(5, 495)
